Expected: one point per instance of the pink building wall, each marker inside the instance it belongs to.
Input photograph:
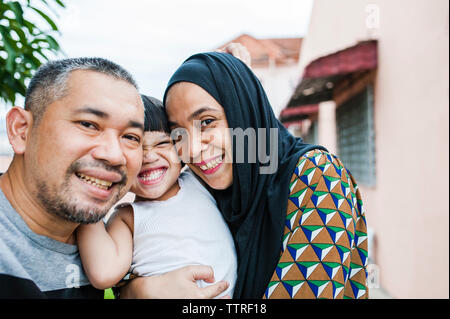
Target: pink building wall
(408, 208)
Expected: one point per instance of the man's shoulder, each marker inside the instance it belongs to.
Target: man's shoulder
(9, 241)
(20, 280)
(13, 287)
(14, 279)
(30, 268)
(16, 287)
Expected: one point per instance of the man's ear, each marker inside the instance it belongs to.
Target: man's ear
(18, 124)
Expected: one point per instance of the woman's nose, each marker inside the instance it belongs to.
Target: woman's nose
(191, 146)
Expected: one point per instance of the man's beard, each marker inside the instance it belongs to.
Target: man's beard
(60, 202)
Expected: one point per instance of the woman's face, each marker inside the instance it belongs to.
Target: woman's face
(200, 130)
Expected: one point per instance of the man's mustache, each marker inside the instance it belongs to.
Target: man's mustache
(78, 165)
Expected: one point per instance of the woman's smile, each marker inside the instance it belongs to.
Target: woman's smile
(210, 166)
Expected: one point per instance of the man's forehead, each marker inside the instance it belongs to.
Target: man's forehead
(103, 96)
(97, 80)
(98, 86)
(132, 120)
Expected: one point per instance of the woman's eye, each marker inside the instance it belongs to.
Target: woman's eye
(206, 122)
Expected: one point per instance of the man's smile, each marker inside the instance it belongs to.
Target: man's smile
(100, 182)
(95, 181)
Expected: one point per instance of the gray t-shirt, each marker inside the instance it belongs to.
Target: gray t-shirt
(37, 266)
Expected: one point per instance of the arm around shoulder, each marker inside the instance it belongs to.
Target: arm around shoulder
(106, 252)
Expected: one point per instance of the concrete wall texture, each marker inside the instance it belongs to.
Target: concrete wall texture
(408, 208)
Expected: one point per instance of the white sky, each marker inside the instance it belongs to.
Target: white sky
(152, 38)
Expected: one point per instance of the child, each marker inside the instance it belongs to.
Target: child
(173, 222)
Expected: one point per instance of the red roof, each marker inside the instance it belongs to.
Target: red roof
(279, 50)
(323, 75)
(362, 56)
(300, 110)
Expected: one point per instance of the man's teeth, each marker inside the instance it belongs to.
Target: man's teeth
(95, 181)
(153, 175)
(211, 164)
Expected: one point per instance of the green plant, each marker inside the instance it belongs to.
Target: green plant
(24, 45)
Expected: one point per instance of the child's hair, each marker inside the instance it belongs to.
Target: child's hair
(155, 115)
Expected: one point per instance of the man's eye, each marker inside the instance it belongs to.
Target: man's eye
(88, 125)
(133, 138)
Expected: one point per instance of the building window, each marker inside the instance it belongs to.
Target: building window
(356, 136)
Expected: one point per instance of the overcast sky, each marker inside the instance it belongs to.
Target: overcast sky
(152, 38)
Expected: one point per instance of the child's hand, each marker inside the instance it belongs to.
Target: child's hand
(238, 51)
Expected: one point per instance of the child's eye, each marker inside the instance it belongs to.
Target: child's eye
(164, 143)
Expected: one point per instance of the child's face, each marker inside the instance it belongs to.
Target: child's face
(157, 179)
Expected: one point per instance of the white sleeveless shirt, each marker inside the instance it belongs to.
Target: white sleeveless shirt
(187, 229)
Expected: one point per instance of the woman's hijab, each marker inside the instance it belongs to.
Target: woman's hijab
(254, 206)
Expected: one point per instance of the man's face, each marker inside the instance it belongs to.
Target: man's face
(86, 151)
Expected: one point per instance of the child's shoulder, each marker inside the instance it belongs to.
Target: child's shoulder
(188, 177)
(122, 212)
(123, 209)
(198, 186)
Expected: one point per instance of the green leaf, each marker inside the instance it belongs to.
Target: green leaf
(60, 3)
(52, 42)
(23, 45)
(46, 18)
(17, 9)
(32, 28)
(30, 58)
(19, 31)
(39, 52)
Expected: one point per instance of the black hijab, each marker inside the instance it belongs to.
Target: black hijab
(254, 206)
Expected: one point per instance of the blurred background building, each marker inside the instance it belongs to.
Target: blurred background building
(374, 89)
(275, 62)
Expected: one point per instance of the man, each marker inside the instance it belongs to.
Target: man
(77, 148)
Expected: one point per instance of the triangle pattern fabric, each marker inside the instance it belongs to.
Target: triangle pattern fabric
(324, 252)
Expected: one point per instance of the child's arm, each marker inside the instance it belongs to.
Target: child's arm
(106, 253)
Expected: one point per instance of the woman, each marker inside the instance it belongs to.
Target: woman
(299, 230)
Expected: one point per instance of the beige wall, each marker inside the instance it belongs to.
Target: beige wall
(327, 126)
(409, 207)
(279, 82)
